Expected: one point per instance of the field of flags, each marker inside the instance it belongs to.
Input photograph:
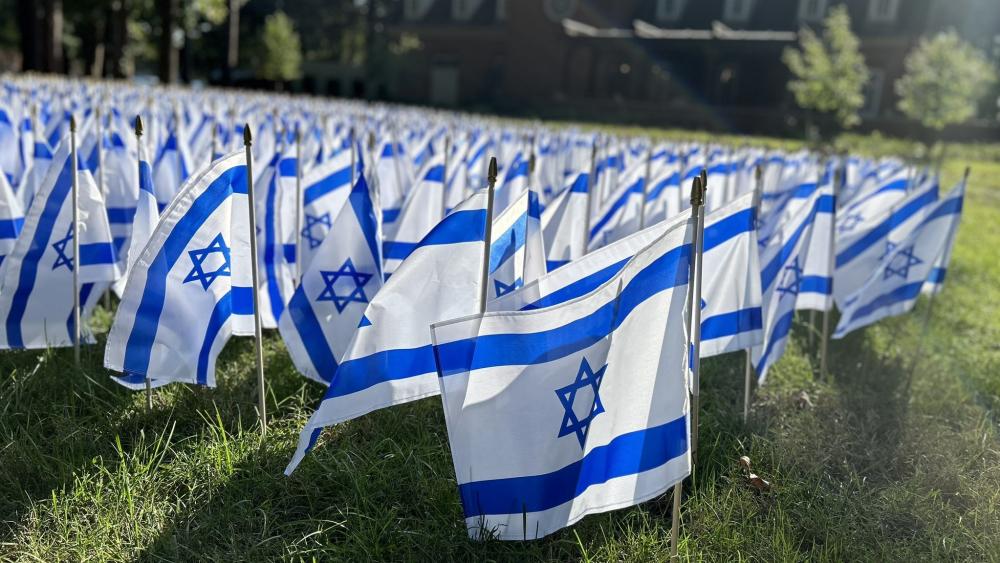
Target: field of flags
(556, 287)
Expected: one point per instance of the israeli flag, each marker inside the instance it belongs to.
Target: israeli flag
(935, 280)
(515, 183)
(36, 295)
(517, 254)
(389, 360)
(146, 211)
(121, 190)
(893, 288)
(868, 234)
(564, 222)
(571, 410)
(41, 161)
(619, 216)
(422, 210)
(11, 219)
(393, 172)
(276, 219)
(170, 169)
(344, 275)
(782, 275)
(324, 190)
(188, 285)
(664, 198)
(731, 296)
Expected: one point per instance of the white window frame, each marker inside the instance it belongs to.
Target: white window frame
(875, 15)
(806, 15)
(730, 14)
(670, 10)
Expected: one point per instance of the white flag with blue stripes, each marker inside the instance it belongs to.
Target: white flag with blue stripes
(11, 219)
(893, 288)
(517, 254)
(36, 295)
(423, 209)
(868, 232)
(782, 274)
(935, 280)
(171, 168)
(188, 284)
(620, 213)
(327, 306)
(276, 207)
(147, 211)
(572, 410)
(389, 361)
(731, 294)
(564, 222)
(324, 190)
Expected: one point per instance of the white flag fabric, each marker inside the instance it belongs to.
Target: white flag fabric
(423, 209)
(188, 284)
(664, 198)
(171, 168)
(515, 182)
(620, 214)
(11, 219)
(324, 190)
(389, 361)
(867, 234)
(276, 207)
(564, 224)
(893, 288)
(345, 274)
(147, 213)
(36, 295)
(517, 254)
(572, 410)
(782, 275)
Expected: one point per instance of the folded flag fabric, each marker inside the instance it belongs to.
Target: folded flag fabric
(324, 190)
(564, 222)
(517, 253)
(188, 284)
(893, 288)
(11, 218)
(389, 360)
(571, 410)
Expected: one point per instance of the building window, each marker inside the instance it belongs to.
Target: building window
(463, 10)
(416, 9)
(669, 10)
(501, 10)
(812, 10)
(882, 11)
(737, 10)
(873, 92)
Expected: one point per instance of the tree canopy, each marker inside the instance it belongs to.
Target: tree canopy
(282, 49)
(830, 72)
(945, 78)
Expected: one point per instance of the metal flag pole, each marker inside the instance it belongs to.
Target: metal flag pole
(645, 186)
(138, 141)
(491, 179)
(748, 365)
(75, 262)
(354, 156)
(258, 342)
(100, 178)
(444, 178)
(299, 206)
(831, 265)
(698, 206)
(591, 185)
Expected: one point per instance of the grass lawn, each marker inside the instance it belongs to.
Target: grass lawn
(897, 458)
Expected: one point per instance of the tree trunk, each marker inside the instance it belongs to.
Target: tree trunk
(29, 23)
(233, 44)
(117, 20)
(169, 56)
(52, 48)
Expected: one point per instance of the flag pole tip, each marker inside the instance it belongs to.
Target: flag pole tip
(697, 192)
(138, 126)
(492, 174)
(72, 123)
(247, 136)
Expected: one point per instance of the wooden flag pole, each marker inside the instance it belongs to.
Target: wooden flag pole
(591, 185)
(138, 141)
(75, 261)
(491, 179)
(698, 192)
(748, 367)
(675, 521)
(831, 262)
(444, 178)
(354, 156)
(299, 206)
(645, 186)
(258, 342)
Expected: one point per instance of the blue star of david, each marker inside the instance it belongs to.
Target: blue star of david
(791, 279)
(571, 424)
(62, 259)
(198, 257)
(901, 263)
(889, 247)
(850, 222)
(357, 293)
(502, 288)
(312, 220)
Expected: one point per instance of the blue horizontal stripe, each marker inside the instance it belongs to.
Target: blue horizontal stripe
(242, 300)
(816, 284)
(627, 454)
(390, 215)
(579, 287)
(320, 188)
(823, 204)
(658, 188)
(880, 231)
(10, 228)
(898, 295)
(97, 253)
(123, 215)
(635, 188)
(552, 265)
(937, 275)
(732, 323)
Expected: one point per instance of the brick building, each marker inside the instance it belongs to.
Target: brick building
(712, 64)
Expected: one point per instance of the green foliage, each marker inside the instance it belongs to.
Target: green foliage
(945, 79)
(830, 72)
(282, 49)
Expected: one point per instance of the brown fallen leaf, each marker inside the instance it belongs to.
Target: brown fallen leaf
(803, 401)
(759, 483)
